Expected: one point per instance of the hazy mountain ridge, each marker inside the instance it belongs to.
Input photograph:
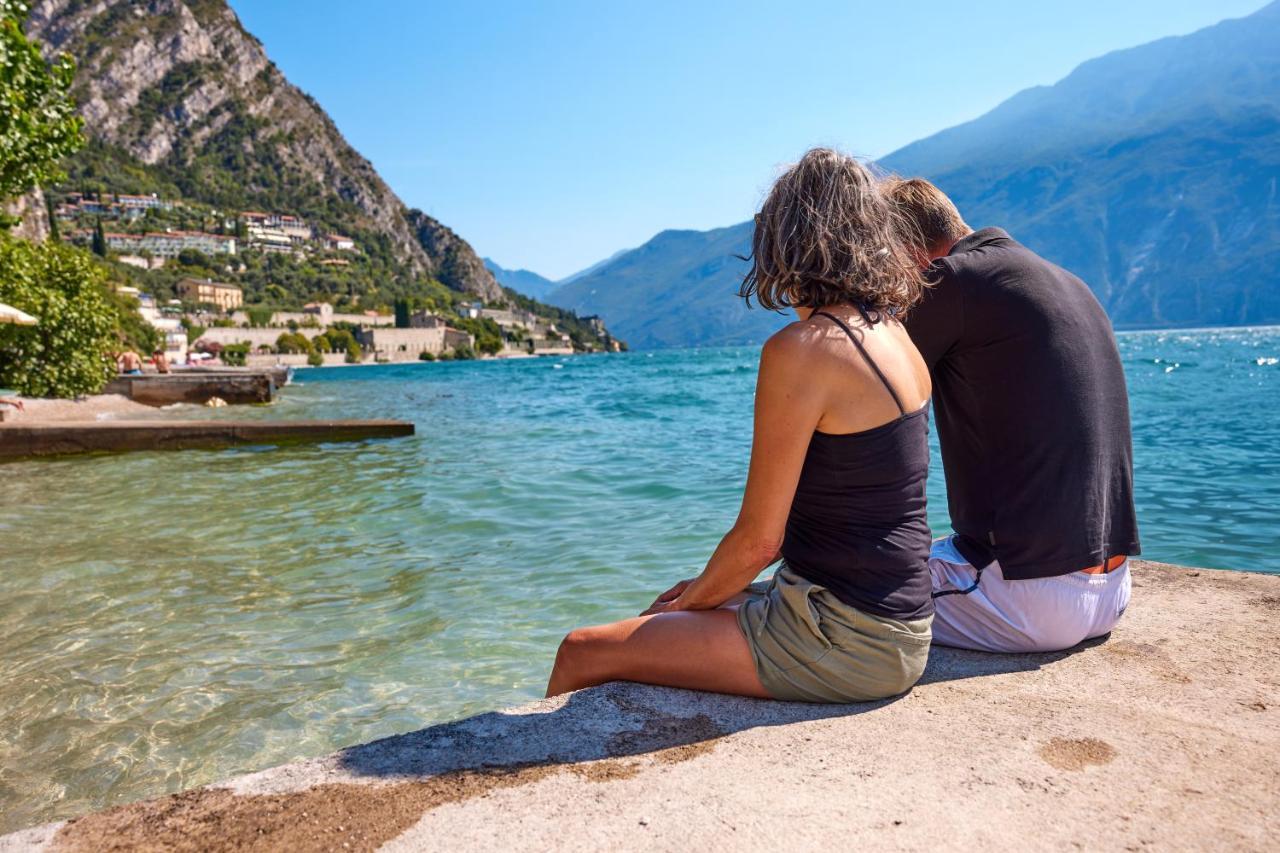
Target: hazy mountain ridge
(522, 281)
(1151, 172)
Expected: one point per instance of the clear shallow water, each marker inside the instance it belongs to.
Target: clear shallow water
(170, 619)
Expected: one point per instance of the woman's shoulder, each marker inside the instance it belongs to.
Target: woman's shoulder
(797, 339)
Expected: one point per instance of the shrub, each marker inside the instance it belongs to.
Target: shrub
(234, 354)
(292, 342)
(321, 343)
(464, 353)
(426, 356)
(64, 355)
(259, 316)
(315, 359)
(354, 353)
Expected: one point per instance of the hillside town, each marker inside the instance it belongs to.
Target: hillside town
(208, 321)
(210, 324)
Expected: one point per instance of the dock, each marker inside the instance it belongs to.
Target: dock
(19, 440)
(199, 386)
(1161, 736)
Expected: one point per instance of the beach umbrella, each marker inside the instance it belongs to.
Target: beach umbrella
(9, 314)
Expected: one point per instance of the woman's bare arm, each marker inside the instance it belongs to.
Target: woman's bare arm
(787, 409)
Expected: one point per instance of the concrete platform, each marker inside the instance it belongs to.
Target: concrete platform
(19, 440)
(199, 386)
(1164, 736)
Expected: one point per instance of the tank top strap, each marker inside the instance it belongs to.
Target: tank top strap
(865, 355)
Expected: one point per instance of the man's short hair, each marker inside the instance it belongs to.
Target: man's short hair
(937, 222)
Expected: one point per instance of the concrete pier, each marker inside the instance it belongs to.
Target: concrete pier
(20, 440)
(199, 386)
(1163, 736)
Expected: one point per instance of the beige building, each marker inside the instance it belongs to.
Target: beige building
(227, 297)
(408, 344)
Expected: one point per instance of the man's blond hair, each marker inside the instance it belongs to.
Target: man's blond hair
(938, 225)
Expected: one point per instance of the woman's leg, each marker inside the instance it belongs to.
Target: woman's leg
(697, 649)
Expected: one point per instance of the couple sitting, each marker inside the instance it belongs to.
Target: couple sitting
(899, 301)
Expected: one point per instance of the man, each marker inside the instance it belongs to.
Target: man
(1033, 418)
(130, 363)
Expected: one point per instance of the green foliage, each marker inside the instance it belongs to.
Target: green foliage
(194, 331)
(38, 121)
(259, 316)
(64, 355)
(292, 342)
(487, 333)
(340, 339)
(463, 352)
(99, 239)
(315, 359)
(426, 356)
(235, 354)
(134, 332)
(354, 354)
(321, 343)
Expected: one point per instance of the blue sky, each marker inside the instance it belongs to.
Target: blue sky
(552, 134)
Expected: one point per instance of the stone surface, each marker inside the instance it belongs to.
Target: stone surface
(165, 389)
(20, 440)
(1164, 735)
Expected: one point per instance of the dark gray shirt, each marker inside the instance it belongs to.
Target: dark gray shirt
(1031, 410)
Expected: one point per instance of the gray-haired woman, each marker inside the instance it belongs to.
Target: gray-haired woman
(836, 486)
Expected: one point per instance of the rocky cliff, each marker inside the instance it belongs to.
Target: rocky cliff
(180, 85)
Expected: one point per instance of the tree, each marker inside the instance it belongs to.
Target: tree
(65, 353)
(99, 236)
(38, 121)
(402, 313)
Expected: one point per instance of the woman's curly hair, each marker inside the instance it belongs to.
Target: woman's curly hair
(826, 235)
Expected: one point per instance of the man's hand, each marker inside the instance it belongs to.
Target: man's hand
(663, 602)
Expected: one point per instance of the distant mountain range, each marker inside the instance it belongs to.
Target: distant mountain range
(1151, 172)
(521, 281)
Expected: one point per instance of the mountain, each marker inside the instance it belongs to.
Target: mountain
(1151, 172)
(521, 281)
(589, 270)
(678, 289)
(177, 95)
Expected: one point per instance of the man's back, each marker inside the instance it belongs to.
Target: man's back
(1031, 410)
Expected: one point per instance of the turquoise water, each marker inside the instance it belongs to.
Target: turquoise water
(170, 619)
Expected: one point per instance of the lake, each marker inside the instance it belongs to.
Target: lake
(170, 619)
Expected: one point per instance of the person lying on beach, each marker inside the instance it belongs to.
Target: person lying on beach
(130, 363)
(1033, 418)
(836, 485)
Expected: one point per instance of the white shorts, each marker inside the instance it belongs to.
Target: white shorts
(1037, 615)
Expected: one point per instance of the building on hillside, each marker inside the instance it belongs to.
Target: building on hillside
(143, 202)
(227, 297)
(322, 311)
(339, 243)
(166, 244)
(389, 344)
(296, 230)
(424, 319)
(268, 239)
(140, 262)
(510, 319)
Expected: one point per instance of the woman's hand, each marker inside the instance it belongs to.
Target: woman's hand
(663, 602)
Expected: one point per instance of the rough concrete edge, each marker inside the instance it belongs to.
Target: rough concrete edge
(626, 715)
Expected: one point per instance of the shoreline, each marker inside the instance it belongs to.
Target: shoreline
(1161, 734)
(94, 408)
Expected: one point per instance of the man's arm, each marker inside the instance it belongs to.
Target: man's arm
(936, 322)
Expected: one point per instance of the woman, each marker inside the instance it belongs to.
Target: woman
(836, 486)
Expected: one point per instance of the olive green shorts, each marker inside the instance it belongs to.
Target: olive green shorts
(809, 646)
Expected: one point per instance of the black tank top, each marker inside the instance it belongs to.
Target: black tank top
(857, 524)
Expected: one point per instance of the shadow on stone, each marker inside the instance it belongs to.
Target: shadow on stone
(947, 664)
